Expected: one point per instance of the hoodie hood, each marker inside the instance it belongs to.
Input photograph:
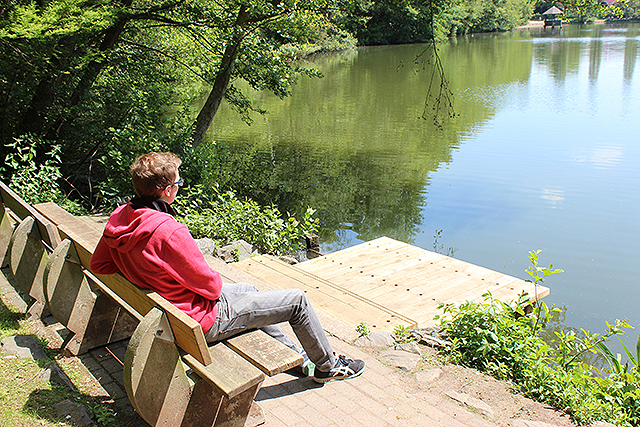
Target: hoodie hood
(128, 226)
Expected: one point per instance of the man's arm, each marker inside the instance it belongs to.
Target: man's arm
(186, 264)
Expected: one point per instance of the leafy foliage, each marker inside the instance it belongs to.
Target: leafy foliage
(402, 335)
(477, 16)
(38, 184)
(505, 341)
(224, 217)
(381, 22)
(363, 329)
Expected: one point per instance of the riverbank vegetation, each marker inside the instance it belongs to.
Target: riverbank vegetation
(87, 85)
(98, 82)
(506, 342)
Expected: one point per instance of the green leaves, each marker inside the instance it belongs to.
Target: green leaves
(501, 339)
(539, 274)
(224, 217)
(58, 18)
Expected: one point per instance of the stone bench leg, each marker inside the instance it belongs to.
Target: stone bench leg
(27, 259)
(161, 391)
(6, 231)
(93, 318)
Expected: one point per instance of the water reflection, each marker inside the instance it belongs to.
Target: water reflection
(542, 155)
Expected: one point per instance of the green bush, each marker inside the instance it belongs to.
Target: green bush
(504, 341)
(224, 217)
(38, 184)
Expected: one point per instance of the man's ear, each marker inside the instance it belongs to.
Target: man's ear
(166, 192)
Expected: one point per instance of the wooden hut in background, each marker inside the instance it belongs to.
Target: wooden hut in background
(553, 17)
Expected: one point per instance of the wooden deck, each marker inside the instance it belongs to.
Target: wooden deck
(387, 283)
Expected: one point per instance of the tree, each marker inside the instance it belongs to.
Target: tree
(381, 22)
(582, 10)
(64, 56)
(255, 38)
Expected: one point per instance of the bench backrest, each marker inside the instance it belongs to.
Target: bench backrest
(22, 209)
(187, 332)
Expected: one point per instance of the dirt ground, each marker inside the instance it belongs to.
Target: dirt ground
(503, 399)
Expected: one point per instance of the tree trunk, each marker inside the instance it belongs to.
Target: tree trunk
(210, 108)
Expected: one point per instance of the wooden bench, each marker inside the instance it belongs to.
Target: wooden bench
(27, 240)
(171, 375)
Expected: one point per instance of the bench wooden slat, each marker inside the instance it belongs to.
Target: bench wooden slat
(188, 333)
(270, 356)
(231, 374)
(22, 209)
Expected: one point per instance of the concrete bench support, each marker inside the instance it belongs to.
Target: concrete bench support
(74, 299)
(28, 258)
(163, 394)
(172, 377)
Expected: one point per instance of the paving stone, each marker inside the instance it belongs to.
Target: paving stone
(24, 346)
(114, 390)
(111, 365)
(74, 413)
(376, 339)
(401, 359)
(427, 375)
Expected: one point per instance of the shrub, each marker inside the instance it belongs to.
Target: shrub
(37, 184)
(223, 217)
(502, 340)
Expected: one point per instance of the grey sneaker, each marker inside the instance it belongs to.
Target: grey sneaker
(343, 369)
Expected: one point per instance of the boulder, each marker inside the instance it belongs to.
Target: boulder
(235, 251)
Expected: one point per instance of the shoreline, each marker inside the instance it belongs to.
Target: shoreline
(540, 24)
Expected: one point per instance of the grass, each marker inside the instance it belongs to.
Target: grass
(27, 399)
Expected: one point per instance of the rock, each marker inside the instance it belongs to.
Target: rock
(471, 402)
(52, 373)
(24, 346)
(238, 250)
(433, 337)
(376, 339)
(288, 259)
(401, 359)
(74, 413)
(409, 347)
(529, 423)
(206, 245)
(428, 375)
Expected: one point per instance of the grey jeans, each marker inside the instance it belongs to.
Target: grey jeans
(241, 308)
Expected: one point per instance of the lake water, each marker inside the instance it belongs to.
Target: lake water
(544, 153)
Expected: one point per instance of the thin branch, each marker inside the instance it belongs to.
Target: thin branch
(171, 57)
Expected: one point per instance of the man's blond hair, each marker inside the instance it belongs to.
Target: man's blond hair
(153, 172)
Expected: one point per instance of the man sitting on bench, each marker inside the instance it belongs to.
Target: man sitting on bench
(144, 242)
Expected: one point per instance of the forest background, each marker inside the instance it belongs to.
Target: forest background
(88, 85)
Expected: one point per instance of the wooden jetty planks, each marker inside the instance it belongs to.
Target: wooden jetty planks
(414, 285)
(324, 295)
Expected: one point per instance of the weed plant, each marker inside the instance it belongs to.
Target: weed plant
(504, 340)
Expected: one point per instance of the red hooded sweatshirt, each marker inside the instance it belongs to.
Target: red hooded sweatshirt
(154, 251)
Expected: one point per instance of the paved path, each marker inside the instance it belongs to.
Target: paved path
(381, 396)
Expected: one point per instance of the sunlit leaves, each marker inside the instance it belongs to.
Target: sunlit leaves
(58, 18)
